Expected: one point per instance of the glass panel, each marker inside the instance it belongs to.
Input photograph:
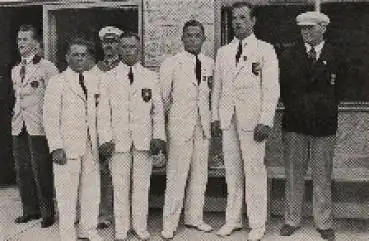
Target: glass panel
(87, 22)
(275, 24)
(349, 30)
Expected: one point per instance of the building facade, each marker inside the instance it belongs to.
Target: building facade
(159, 23)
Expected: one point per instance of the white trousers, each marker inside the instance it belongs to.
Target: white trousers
(78, 180)
(245, 172)
(186, 158)
(123, 165)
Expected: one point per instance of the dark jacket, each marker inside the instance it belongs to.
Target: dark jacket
(311, 91)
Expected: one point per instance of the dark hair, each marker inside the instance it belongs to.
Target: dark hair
(130, 34)
(82, 41)
(244, 4)
(28, 27)
(194, 23)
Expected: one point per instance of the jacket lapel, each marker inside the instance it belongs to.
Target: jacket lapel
(73, 84)
(319, 66)
(187, 68)
(248, 52)
(31, 70)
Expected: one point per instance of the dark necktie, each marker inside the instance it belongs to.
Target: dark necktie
(198, 70)
(81, 79)
(130, 75)
(312, 54)
(239, 51)
(22, 71)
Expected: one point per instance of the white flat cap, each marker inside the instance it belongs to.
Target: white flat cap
(312, 18)
(109, 32)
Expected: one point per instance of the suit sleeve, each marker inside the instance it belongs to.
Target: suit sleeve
(270, 86)
(158, 111)
(51, 71)
(166, 82)
(217, 88)
(52, 113)
(104, 112)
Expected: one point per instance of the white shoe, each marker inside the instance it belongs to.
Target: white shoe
(227, 230)
(256, 233)
(121, 237)
(95, 237)
(166, 234)
(143, 235)
(201, 227)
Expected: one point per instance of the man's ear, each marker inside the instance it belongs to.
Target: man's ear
(323, 28)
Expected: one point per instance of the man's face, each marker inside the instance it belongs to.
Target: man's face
(242, 22)
(78, 57)
(130, 50)
(110, 46)
(193, 39)
(26, 43)
(312, 34)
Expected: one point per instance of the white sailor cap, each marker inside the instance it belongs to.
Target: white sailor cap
(109, 32)
(312, 18)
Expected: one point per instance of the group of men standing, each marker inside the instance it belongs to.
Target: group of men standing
(102, 123)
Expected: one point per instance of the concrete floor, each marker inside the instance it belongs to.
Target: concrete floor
(10, 208)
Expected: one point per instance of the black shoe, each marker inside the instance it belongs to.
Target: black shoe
(327, 234)
(102, 225)
(27, 218)
(47, 222)
(288, 230)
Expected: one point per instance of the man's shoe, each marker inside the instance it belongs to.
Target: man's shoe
(166, 234)
(288, 230)
(47, 222)
(103, 224)
(27, 218)
(143, 235)
(327, 234)
(92, 236)
(204, 227)
(227, 230)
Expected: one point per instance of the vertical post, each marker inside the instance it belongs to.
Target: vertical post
(317, 5)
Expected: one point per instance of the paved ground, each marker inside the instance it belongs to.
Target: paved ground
(347, 230)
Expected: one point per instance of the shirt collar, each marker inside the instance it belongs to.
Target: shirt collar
(134, 67)
(28, 59)
(318, 48)
(249, 39)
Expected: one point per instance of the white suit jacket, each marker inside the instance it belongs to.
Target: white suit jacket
(68, 117)
(183, 98)
(29, 95)
(251, 92)
(130, 114)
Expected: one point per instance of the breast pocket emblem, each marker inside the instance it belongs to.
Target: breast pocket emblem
(146, 94)
(34, 84)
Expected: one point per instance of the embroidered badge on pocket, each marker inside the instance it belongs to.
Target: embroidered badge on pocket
(146, 94)
(34, 84)
(256, 68)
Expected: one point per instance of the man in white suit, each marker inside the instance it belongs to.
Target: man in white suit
(185, 83)
(70, 124)
(245, 96)
(31, 154)
(131, 129)
(110, 40)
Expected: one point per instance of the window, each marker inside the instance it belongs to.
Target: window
(275, 24)
(65, 22)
